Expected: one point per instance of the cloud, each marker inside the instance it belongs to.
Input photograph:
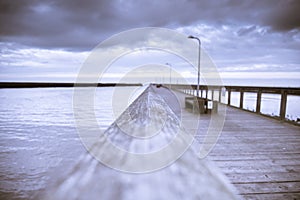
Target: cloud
(76, 24)
(54, 36)
(245, 30)
(284, 16)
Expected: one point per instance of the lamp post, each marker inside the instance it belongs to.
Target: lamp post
(198, 83)
(170, 72)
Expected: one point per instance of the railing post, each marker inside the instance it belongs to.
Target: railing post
(220, 95)
(241, 98)
(201, 93)
(283, 104)
(212, 94)
(206, 93)
(258, 101)
(229, 97)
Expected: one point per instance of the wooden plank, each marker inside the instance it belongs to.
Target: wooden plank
(272, 196)
(262, 177)
(257, 162)
(268, 187)
(262, 169)
(260, 155)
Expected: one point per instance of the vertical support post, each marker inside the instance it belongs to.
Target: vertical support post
(241, 98)
(229, 97)
(212, 94)
(206, 93)
(258, 101)
(220, 94)
(201, 93)
(283, 104)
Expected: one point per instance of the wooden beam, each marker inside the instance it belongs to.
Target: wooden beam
(258, 101)
(229, 97)
(241, 98)
(283, 104)
(220, 95)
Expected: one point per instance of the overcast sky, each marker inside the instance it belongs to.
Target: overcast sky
(49, 40)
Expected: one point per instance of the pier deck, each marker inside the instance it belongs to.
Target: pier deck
(259, 155)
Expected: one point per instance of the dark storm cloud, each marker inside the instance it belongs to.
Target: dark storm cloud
(284, 16)
(54, 23)
(80, 24)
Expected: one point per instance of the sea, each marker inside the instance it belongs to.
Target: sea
(39, 140)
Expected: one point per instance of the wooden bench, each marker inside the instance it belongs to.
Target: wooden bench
(201, 105)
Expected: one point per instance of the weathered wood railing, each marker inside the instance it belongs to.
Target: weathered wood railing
(228, 90)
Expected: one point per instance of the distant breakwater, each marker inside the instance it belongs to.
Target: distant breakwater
(48, 85)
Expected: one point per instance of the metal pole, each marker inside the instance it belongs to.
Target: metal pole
(199, 56)
(198, 85)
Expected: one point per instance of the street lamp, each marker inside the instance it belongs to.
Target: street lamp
(170, 72)
(198, 84)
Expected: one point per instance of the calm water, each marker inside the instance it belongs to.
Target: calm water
(39, 138)
(39, 141)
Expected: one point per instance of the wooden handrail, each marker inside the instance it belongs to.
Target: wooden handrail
(282, 91)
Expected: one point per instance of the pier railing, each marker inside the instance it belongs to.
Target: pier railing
(223, 94)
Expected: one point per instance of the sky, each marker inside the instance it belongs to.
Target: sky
(50, 40)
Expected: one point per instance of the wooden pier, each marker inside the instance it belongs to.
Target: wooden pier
(260, 155)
